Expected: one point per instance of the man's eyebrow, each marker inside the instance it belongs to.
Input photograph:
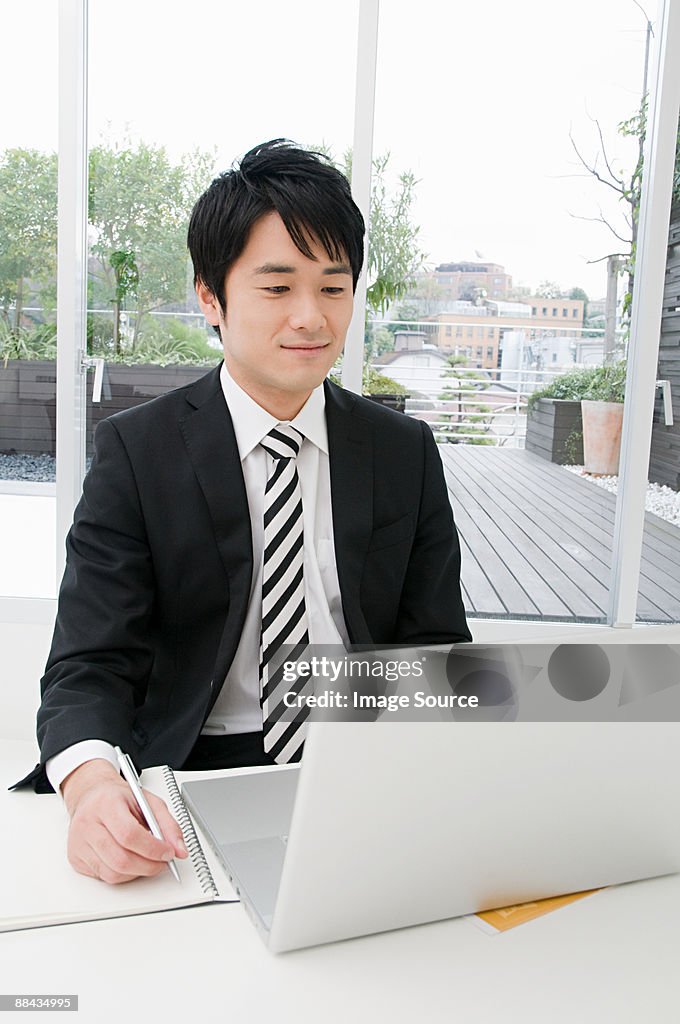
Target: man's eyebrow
(339, 268)
(274, 268)
(284, 268)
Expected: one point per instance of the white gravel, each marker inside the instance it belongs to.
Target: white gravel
(663, 501)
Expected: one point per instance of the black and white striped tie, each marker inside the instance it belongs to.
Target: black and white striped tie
(284, 616)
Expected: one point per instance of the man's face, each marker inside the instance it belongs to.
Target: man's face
(286, 317)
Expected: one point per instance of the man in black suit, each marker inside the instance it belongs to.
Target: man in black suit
(159, 631)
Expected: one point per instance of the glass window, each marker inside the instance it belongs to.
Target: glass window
(554, 523)
(28, 298)
(149, 162)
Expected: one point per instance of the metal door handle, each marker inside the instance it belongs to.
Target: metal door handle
(89, 362)
(665, 386)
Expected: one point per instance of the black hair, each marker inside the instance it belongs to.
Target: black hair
(310, 195)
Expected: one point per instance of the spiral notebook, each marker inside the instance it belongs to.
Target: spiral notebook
(38, 887)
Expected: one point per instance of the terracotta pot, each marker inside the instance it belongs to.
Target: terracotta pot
(602, 436)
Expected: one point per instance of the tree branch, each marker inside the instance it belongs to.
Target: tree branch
(624, 255)
(604, 154)
(592, 170)
(603, 220)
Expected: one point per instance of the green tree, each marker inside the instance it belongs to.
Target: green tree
(406, 316)
(126, 276)
(471, 417)
(139, 206)
(549, 290)
(428, 294)
(394, 254)
(377, 340)
(28, 225)
(629, 189)
(579, 293)
(394, 257)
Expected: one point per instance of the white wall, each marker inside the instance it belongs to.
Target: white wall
(23, 651)
(28, 563)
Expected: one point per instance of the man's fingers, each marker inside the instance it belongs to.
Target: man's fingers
(98, 854)
(168, 825)
(127, 826)
(93, 867)
(122, 867)
(117, 864)
(109, 838)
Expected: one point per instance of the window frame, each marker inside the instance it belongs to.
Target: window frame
(664, 100)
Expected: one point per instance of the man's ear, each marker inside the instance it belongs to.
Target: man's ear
(209, 304)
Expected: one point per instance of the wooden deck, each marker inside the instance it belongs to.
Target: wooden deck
(537, 540)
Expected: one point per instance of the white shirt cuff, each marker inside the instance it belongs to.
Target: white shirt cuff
(66, 761)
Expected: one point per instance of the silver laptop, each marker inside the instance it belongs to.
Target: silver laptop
(388, 824)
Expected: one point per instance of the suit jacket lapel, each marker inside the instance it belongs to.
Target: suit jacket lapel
(350, 445)
(211, 444)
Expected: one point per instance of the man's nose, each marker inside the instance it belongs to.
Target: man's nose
(307, 313)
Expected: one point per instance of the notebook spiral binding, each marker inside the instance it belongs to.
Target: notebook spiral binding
(191, 840)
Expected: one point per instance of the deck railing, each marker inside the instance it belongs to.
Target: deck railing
(474, 403)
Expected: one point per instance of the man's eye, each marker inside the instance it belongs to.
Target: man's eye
(277, 289)
(334, 291)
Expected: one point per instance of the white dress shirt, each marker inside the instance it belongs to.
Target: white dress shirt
(237, 708)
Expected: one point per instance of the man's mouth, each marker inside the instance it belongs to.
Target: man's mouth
(307, 348)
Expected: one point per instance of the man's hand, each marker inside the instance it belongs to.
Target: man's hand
(108, 837)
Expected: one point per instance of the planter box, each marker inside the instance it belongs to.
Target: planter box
(28, 407)
(551, 422)
(28, 391)
(396, 402)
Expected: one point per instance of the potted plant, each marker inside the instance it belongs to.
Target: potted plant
(598, 394)
(602, 413)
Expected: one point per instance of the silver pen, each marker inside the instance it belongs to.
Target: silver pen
(132, 778)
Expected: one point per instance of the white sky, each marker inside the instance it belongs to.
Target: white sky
(478, 100)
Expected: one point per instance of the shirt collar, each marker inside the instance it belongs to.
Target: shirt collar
(252, 423)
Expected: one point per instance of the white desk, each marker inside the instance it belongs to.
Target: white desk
(611, 958)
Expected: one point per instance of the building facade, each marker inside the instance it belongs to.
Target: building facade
(476, 330)
(469, 281)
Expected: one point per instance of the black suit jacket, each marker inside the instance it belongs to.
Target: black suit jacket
(159, 564)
